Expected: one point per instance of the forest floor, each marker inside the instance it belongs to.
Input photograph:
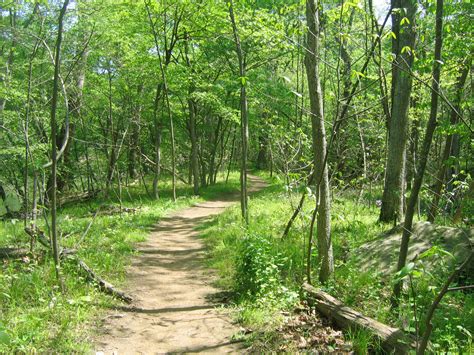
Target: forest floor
(176, 307)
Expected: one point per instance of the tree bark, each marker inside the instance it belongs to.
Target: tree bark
(157, 135)
(243, 117)
(402, 47)
(423, 159)
(54, 102)
(75, 103)
(447, 152)
(318, 132)
(134, 149)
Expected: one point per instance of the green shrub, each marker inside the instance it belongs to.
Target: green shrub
(259, 269)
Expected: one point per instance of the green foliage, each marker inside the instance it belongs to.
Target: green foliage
(259, 272)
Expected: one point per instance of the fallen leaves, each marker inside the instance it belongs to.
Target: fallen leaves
(306, 331)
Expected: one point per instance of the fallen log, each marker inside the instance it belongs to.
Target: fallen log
(392, 340)
(103, 285)
(77, 198)
(67, 253)
(111, 210)
(13, 253)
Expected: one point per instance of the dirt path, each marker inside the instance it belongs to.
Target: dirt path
(172, 288)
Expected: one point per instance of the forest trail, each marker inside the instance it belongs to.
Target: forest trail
(172, 290)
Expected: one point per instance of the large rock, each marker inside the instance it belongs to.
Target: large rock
(381, 254)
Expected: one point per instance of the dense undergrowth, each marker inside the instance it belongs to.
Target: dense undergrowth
(264, 271)
(35, 316)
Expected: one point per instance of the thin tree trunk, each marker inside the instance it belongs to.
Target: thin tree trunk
(135, 135)
(215, 146)
(232, 149)
(27, 138)
(192, 127)
(430, 128)
(346, 107)
(441, 176)
(243, 117)
(402, 45)
(113, 133)
(54, 102)
(428, 325)
(323, 208)
(158, 128)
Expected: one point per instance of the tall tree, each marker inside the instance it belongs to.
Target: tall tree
(430, 128)
(54, 102)
(192, 124)
(318, 134)
(243, 115)
(403, 47)
(450, 139)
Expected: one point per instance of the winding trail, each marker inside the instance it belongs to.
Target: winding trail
(173, 310)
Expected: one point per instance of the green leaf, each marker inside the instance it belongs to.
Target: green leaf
(404, 20)
(404, 272)
(406, 49)
(435, 250)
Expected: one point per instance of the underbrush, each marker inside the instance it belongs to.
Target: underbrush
(264, 272)
(35, 316)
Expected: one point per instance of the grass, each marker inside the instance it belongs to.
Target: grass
(35, 316)
(264, 271)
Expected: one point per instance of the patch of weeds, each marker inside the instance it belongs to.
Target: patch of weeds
(363, 342)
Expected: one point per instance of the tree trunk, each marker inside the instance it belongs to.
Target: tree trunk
(157, 141)
(192, 126)
(134, 149)
(441, 176)
(319, 143)
(262, 151)
(214, 147)
(341, 144)
(430, 128)
(114, 135)
(402, 47)
(54, 102)
(75, 103)
(243, 117)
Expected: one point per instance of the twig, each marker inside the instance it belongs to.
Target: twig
(88, 227)
(460, 288)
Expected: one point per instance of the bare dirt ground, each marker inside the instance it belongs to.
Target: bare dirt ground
(172, 310)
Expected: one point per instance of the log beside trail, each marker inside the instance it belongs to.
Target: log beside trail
(13, 253)
(393, 340)
(103, 285)
(70, 254)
